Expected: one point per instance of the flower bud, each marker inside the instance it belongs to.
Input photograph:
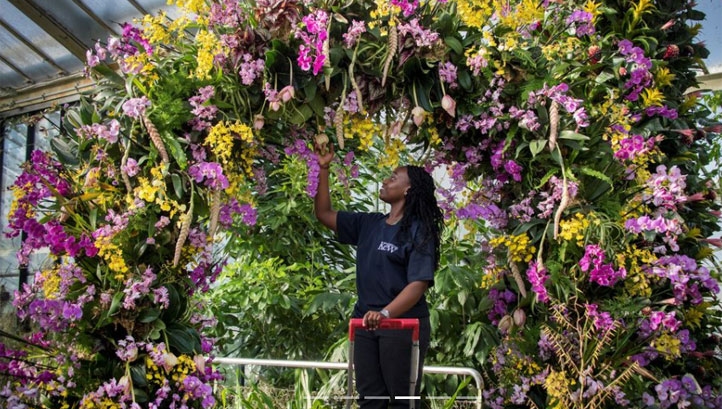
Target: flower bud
(321, 139)
(258, 122)
(594, 53)
(505, 323)
(418, 113)
(275, 105)
(124, 384)
(668, 25)
(449, 105)
(200, 362)
(169, 361)
(396, 128)
(519, 317)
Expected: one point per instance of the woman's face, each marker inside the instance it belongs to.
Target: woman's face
(394, 187)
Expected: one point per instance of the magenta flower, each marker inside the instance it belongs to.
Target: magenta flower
(210, 174)
(313, 34)
(407, 7)
(599, 272)
(538, 276)
(603, 320)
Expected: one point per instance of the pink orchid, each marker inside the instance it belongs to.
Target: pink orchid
(287, 93)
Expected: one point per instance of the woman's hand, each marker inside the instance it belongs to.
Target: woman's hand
(372, 319)
(324, 150)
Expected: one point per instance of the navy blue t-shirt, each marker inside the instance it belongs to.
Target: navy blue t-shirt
(384, 266)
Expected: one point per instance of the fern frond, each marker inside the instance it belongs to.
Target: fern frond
(603, 343)
(562, 347)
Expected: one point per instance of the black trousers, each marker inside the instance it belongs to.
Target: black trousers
(382, 360)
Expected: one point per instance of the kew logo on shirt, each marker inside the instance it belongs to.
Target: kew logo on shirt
(387, 247)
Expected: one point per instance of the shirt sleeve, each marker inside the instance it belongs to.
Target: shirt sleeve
(421, 263)
(348, 226)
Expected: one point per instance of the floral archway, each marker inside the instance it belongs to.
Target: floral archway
(568, 127)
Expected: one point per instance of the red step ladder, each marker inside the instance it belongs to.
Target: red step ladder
(388, 323)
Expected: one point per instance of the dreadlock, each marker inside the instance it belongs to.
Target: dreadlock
(421, 206)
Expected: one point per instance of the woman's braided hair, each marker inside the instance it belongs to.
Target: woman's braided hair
(421, 206)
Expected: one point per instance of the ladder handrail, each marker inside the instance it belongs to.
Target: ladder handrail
(449, 370)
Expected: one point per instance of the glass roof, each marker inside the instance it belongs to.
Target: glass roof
(42, 41)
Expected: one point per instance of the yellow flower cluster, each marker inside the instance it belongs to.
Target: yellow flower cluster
(509, 42)
(391, 156)
(245, 160)
(519, 247)
(524, 12)
(154, 28)
(113, 255)
(575, 228)
(617, 114)
(140, 63)
(105, 403)
(524, 365)
(490, 276)
(363, 128)
(384, 9)
(184, 367)
(208, 48)
(637, 282)
(51, 283)
(198, 7)
(693, 316)
(146, 190)
(475, 13)
(180, 369)
(220, 139)
(668, 346)
(153, 373)
(19, 194)
(558, 50)
(557, 384)
(434, 138)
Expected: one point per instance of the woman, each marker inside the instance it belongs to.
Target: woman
(397, 254)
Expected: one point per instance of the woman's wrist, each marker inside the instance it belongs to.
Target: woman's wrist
(324, 166)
